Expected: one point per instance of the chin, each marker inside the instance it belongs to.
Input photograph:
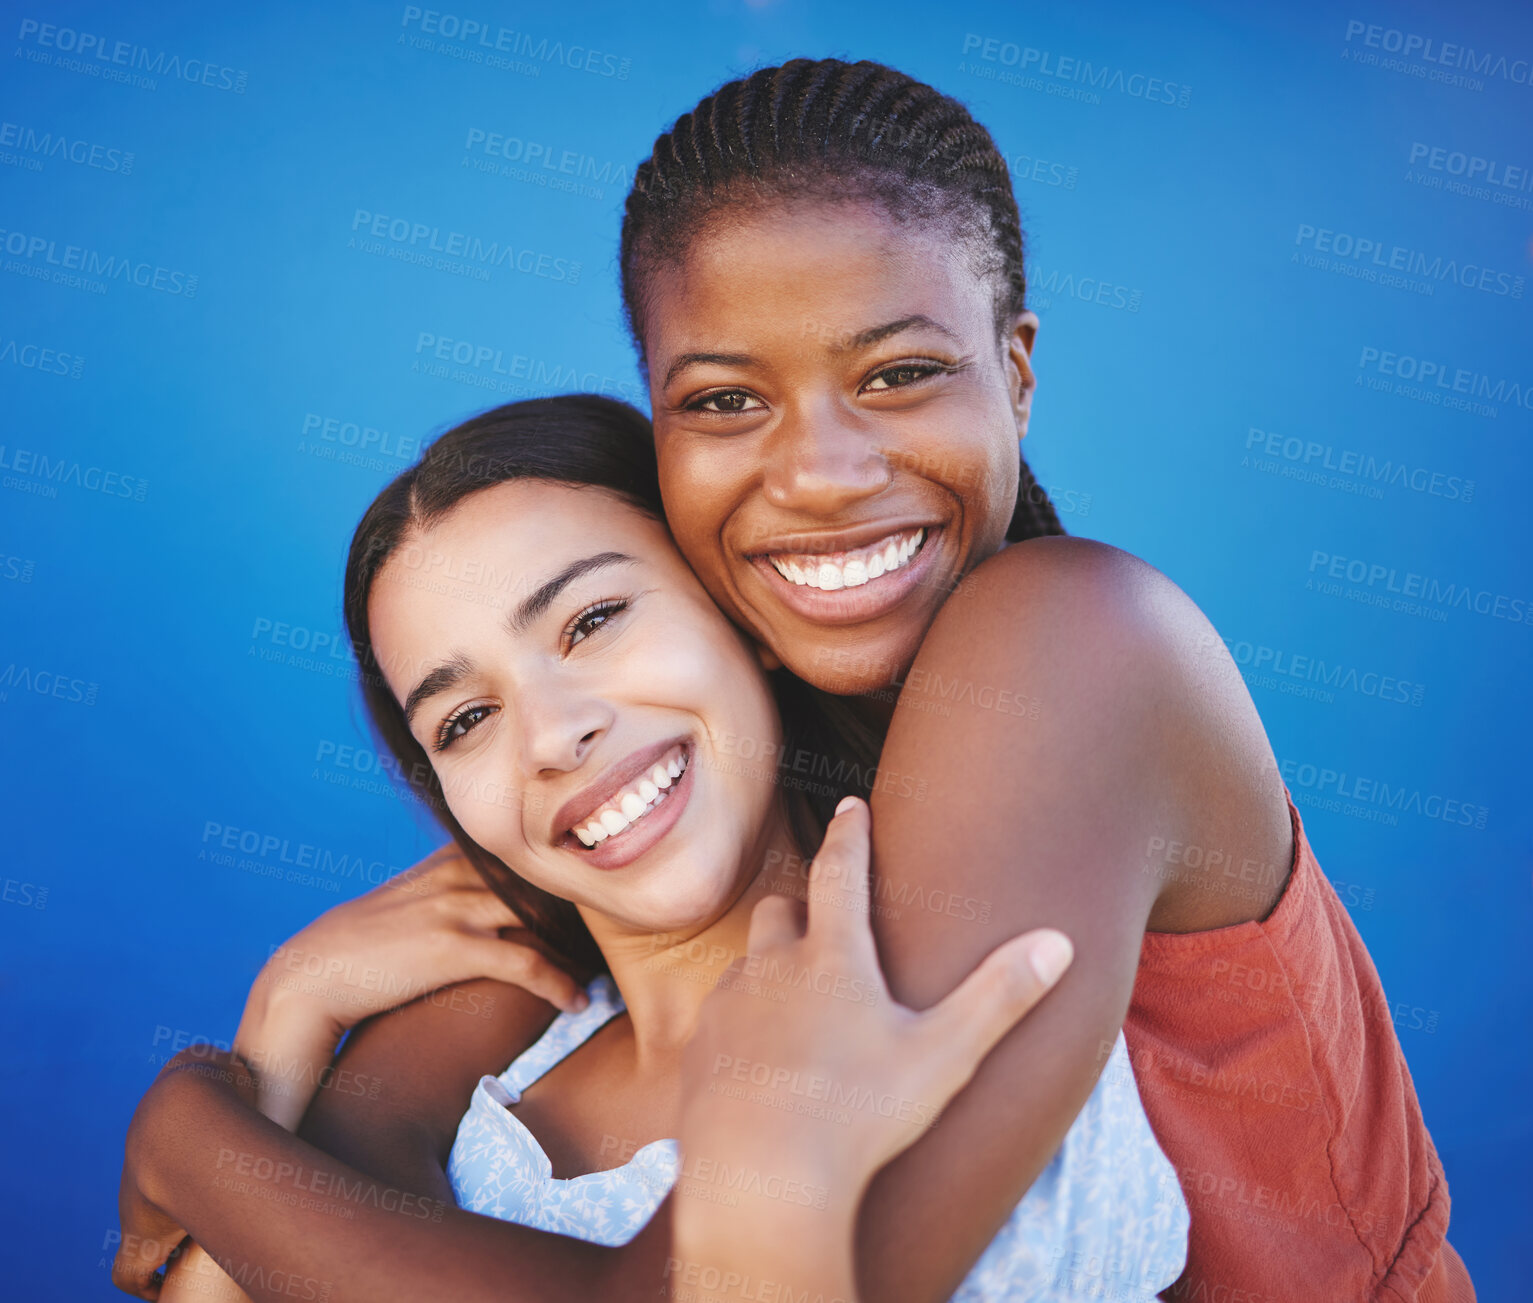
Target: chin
(857, 673)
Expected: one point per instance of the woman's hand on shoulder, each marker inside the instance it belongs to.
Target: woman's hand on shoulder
(435, 925)
(804, 1068)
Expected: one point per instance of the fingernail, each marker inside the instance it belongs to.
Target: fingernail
(846, 803)
(1051, 955)
(578, 1001)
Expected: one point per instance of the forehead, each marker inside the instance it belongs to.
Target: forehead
(527, 521)
(493, 549)
(812, 272)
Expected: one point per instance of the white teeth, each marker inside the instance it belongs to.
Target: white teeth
(829, 577)
(647, 793)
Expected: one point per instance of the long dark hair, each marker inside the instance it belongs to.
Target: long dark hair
(579, 440)
(832, 129)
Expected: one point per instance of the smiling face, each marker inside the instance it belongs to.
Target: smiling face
(836, 423)
(587, 707)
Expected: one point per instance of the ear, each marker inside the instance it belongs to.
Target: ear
(1018, 362)
(768, 658)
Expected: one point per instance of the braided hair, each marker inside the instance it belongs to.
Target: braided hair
(829, 129)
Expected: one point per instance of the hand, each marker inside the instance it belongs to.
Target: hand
(805, 1068)
(151, 1237)
(432, 926)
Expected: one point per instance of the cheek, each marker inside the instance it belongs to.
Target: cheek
(488, 809)
(976, 460)
(697, 488)
(710, 666)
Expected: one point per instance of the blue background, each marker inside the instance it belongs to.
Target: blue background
(149, 692)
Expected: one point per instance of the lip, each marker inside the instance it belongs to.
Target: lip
(830, 541)
(627, 846)
(619, 851)
(616, 776)
(868, 601)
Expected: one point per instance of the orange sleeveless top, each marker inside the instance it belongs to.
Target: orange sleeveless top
(1267, 1060)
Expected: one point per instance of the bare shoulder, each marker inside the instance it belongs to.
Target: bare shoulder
(1112, 675)
(1094, 586)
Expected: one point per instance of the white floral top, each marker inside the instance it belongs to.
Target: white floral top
(1104, 1220)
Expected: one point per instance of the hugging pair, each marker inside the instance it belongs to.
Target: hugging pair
(825, 569)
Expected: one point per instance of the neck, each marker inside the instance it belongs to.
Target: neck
(664, 977)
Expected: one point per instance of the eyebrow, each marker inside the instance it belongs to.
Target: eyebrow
(877, 334)
(452, 672)
(444, 676)
(544, 595)
(863, 339)
(703, 359)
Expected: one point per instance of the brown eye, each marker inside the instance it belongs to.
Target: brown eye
(897, 377)
(592, 619)
(725, 401)
(462, 723)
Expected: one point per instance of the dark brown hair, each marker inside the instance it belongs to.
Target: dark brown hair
(829, 129)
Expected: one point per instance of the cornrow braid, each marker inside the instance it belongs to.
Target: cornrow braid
(833, 129)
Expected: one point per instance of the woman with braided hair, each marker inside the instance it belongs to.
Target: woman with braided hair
(823, 273)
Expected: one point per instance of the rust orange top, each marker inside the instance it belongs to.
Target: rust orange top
(1267, 1060)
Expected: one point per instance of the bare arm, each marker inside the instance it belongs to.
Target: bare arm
(281, 1216)
(1043, 817)
(404, 1079)
(1142, 730)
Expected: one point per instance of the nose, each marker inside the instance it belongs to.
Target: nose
(558, 729)
(822, 459)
